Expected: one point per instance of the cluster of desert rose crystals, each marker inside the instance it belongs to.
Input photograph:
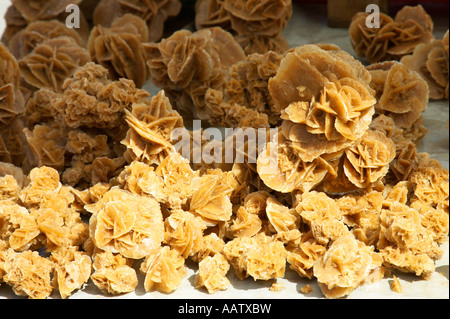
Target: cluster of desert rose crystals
(94, 188)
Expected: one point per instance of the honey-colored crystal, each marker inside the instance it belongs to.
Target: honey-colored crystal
(151, 125)
(187, 64)
(12, 108)
(42, 181)
(184, 233)
(91, 99)
(23, 42)
(266, 18)
(404, 96)
(346, 265)
(18, 228)
(47, 145)
(72, 269)
(212, 245)
(41, 10)
(259, 257)
(396, 286)
(141, 179)
(281, 218)
(323, 216)
(370, 43)
(9, 188)
(212, 274)
(113, 274)
(51, 62)
(154, 13)
(211, 198)
(119, 48)
(127, 223)
(245, 223)
(363, 216)
(394, 38)
(164, 270)
(430, 182)
(301, 257)
(368, 161)
(14, 23)
(407, 261)
(16, 172)
(211, 13)
(247, 83)
(280, 167)
(326, 109)
(38, 108)
(10, 72)
(257, 26)
(13, 144)
(433, 219)
(404, 243)
(12, 102)
(430, 60)
(29, 274)
(171, 183)
(401, 227)
(262, 44)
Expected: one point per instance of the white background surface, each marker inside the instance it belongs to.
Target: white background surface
(4, 4)
(309, 25)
